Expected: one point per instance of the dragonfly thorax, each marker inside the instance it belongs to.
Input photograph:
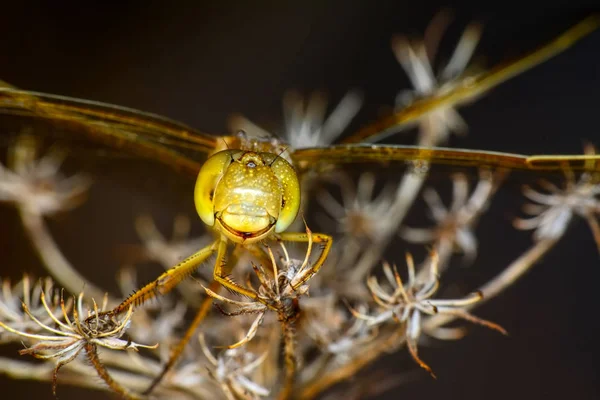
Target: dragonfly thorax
(247, 195)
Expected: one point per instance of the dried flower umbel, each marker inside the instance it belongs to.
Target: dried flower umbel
(556, 207)
(38, 189)
(26, 296)
(293, 333)
(454, 228)
(279, 291)
(65, 336)
(36, 186)
(305, 124)
(407, 303)
(231, 369)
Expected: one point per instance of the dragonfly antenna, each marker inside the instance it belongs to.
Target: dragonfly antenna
(279, 154)
(225, 141)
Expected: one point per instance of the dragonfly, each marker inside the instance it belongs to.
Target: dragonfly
(249, 189)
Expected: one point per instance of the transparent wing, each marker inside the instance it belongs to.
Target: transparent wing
(135, 132)
(324, 157)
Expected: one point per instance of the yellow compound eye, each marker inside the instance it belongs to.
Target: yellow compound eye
(208, 177)
(291, 193)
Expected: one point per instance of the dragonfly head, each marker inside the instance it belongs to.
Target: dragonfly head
(247, 195)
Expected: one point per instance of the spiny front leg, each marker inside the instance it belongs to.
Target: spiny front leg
(169, 279)
(324, 241)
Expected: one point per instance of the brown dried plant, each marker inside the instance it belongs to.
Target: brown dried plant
(296, 334)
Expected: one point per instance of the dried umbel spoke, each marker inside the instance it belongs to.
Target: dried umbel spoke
(366, 221)
(36, 185)
(63, 337)
(276, 292)
(306, 125)
(434, 127)
(28, 292)
(554, 207)
(416, 57)
(361, 216)
(342, 340)
(167, 252)
(406, 304)
(551, 215)
(233, 369)
(38, 189)
(279, 291)
(553, 210)
(323, 318)
(454, 229)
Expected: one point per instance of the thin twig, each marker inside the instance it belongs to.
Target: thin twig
(92, 353)
(54, 260)
(370, 354)
(289, 354)
(499, 283)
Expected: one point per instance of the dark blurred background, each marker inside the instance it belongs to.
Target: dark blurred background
(198, 62)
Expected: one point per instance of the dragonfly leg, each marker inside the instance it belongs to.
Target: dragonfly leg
(176, 352)
(259, 252)
(221, 274)
(168, 280)
(221, 248)
(324, 241)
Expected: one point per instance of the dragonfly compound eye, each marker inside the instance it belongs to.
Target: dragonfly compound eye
(211, 172)
(290, 202)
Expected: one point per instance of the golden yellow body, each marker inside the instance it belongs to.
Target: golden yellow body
(245, 197)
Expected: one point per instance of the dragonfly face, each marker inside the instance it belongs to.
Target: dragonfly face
(247, 195)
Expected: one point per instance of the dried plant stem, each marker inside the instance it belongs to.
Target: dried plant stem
(200, 316)
(367, 356)
(74, 374)
(16, 369)
(405, 197)
(54, 260)
(444, 250)
(318, 367)
(289, 355)
(502, 281)
(133, 363)
(518, 268)
(103, 373)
